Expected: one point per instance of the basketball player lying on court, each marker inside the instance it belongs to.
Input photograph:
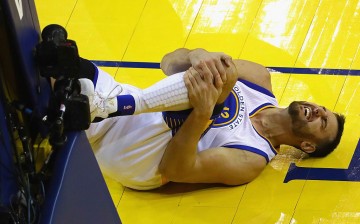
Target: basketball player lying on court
(217, 122)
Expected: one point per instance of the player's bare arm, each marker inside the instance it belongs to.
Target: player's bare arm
(216, 63)
(204, 62)
(253, 72)
(182, 163)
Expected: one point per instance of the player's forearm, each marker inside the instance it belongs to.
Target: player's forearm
(178, 60)
(181, 153)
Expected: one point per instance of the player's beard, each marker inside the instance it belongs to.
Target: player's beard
(299, 126)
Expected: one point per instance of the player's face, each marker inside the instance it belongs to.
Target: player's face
(312, 121)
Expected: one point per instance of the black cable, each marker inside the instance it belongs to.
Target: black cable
(23, 176)
(28, 202)
(12, 172)
(16, 212)
(24, 167)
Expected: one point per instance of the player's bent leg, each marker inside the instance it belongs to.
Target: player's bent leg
(108, 99)
(169, 94)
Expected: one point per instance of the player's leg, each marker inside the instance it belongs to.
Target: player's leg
(107, 98)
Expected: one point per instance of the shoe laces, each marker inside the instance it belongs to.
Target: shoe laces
(99, 100)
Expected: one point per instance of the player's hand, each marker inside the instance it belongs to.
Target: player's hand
(212, 64)
(203, 93)
(231, 78)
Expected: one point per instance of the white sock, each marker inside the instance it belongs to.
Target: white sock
(166, 95)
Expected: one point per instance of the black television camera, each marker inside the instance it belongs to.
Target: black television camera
(58, 60)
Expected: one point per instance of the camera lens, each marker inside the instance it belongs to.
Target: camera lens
(54, 33)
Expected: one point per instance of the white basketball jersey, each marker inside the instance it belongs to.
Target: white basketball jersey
(130, 148)
(233, 128)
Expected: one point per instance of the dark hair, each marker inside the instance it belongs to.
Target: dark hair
(327, 147)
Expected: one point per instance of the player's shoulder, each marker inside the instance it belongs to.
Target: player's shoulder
(253, 72)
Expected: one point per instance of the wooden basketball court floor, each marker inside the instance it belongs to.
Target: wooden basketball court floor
(311, 47)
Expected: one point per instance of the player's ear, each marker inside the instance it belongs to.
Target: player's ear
(307, 147)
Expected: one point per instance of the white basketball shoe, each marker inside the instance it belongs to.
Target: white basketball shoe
(101, 105)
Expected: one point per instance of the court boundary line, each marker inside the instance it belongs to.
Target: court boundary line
(286, 70)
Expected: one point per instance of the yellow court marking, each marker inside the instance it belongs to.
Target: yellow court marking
(141, 78)
(333, 38)
(103, 31)
(163, 27)
(54, 12)
(321, 89)
(223, 25)
(349, 98)
(278, 32)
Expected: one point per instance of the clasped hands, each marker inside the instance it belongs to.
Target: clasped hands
(210, 79)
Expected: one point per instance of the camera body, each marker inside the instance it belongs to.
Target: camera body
(58, 58)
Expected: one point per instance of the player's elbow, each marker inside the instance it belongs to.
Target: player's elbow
(165, 172)
(171, 173)
(244, 177)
